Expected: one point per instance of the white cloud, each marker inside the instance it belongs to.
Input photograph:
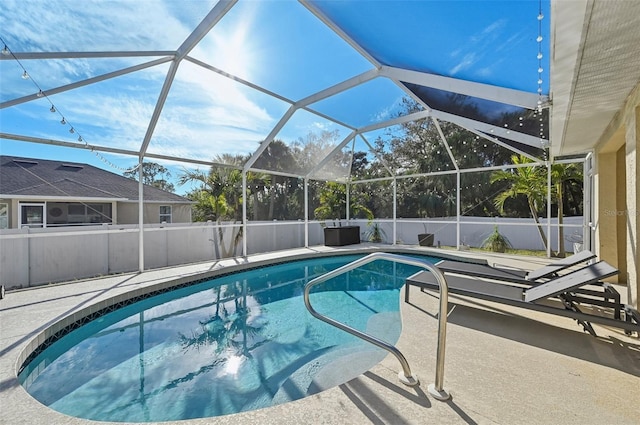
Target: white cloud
(473, 52)
(322, 126)
(485, 72)
(387, 112)
(467, 62)
(205, 113)
(492, 28)
(93, 25)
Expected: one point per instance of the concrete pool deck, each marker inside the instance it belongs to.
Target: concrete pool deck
(503, 365)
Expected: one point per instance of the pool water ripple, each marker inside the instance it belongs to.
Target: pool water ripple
(238, 342)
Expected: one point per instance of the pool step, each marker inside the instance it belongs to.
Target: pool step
(339, 365)
(332, 368)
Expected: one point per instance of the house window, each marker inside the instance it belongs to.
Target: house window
(64, 214)
(4, 216)
(165, 213)
(32, 215)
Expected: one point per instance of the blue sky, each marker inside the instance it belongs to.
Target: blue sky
(277, 45)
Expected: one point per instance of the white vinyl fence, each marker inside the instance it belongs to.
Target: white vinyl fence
(522, 233)
(30, 257)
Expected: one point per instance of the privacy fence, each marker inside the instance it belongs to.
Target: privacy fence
(30, 257)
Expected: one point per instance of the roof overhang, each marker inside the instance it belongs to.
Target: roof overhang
(38, 198)
(168, 202)
(595, 65)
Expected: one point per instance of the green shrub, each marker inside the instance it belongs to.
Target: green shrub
(496, 241)
(375, 233)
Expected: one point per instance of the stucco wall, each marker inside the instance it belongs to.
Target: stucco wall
(618, 207)
(621, 225)
(128, 213)
(123, 212)
(632, 215)
(605, 204)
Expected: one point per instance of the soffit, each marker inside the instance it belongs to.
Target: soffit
(595, 66)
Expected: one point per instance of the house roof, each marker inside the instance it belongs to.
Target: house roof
(43, 178)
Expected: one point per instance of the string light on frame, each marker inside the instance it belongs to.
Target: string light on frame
(6, 51)
(544, 143)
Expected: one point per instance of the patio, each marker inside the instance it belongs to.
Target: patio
(503, 365)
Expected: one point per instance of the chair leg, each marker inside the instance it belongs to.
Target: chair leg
(569, 305)
(631, 315)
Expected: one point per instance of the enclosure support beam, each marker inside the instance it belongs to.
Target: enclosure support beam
(338, 88)
(587, 210)
(484, 91)
(395, 209)
(274, 131)
(348, 193)
(330, 155)
(140, 217)
(487, 130)
(88, 81)
(209, 21)
(86, 146)
(445, 143)
(335, 28)
(395, 121)
(306, 212)
(244, 213)
(549, 210)
(458, 210)
(374, 153)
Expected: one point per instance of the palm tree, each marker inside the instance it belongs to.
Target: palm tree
(528, 181)
(219, 196)
(257, 183)
(560, 174)
(214, 329)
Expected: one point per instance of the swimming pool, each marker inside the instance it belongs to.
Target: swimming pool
(238, 342)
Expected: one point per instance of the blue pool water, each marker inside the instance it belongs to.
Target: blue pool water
(239, 342)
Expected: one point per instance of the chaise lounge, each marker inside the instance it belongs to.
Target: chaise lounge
(560, 295)
(514, 275)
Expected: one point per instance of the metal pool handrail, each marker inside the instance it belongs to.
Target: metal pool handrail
(405, 376)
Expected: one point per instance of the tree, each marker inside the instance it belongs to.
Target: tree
(333, 201)
(257, 184)
(562, 174)
(219, 197)
(153, 174)
(308, 152)
(530, 182)
(419, 149)
(278, 156)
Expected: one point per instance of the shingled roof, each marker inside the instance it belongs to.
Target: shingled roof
(44, 178)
